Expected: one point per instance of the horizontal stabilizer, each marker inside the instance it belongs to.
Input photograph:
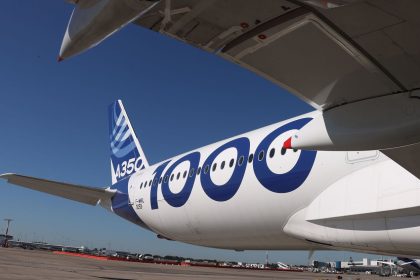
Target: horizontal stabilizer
(87, 195)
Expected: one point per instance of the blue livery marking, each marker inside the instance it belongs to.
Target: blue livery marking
(121, 204)
(153, 191)
(229, 189)
(179, 199)
(287, 182)
(277, 183)
(125, 155)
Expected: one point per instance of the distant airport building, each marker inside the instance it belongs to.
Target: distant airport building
(363, 263)
(356, 266)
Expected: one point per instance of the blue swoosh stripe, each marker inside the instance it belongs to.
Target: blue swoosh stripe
(124, 151)
(121, 128)
(120, 138)
(120, 145)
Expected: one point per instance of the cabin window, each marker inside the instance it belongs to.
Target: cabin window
(166, 179)
(141, 185)
(250, 158)
(172, 177)
(160, 180)
(222, 165)
(261, 155)
(191, 172)
(177, 176)
(206, 169)
(198, 170)
(150, 183)
(231, 163)
(185, 174)
(214, 166)
(241, 160)
(272, 152)
(283, 151)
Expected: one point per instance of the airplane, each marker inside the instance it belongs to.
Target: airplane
(410, 265)
(343, 177)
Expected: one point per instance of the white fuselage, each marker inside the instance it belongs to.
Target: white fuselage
(284, 199)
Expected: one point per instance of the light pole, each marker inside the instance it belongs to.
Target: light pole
(7, 231)
(266, 259)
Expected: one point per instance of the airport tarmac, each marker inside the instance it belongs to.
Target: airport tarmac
(27, 264)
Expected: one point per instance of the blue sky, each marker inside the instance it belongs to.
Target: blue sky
(53, 120)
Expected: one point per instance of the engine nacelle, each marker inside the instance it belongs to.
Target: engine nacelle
(93, 21)
(374, 124)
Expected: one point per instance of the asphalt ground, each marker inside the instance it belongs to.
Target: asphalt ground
(27, 264)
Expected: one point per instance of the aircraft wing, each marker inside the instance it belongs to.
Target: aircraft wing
(326, 52)
(87, 195)
(356, 61)
(329, 53)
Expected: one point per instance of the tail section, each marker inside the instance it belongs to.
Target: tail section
(127, 156)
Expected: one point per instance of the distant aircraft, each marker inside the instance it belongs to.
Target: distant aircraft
(410, 265)
(342, 177)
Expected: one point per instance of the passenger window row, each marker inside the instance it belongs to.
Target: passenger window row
(206, 169)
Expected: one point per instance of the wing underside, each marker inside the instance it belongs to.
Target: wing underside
(328, 57)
